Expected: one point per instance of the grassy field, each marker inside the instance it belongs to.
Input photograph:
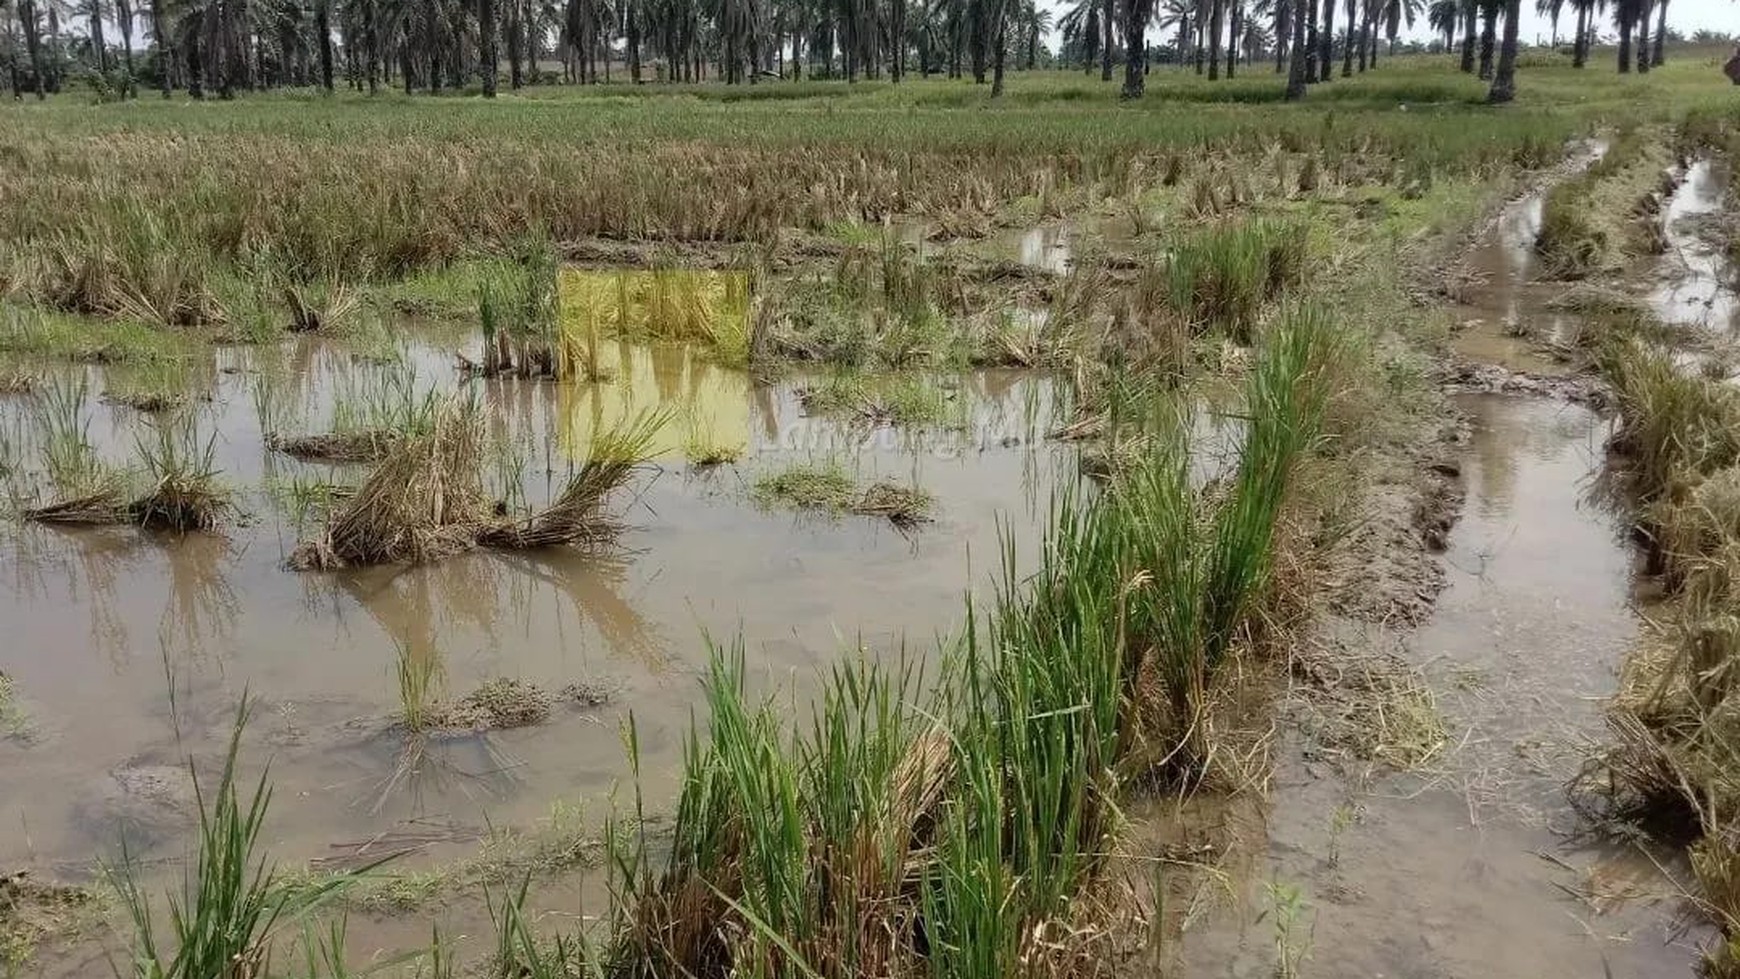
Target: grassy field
(968, 826)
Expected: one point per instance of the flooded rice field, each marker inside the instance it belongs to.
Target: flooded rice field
(128, 651)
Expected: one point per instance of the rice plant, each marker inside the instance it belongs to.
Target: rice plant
(229, 909)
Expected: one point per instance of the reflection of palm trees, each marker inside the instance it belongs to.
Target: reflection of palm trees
(201, 606)
(594, 583)
(94, 558)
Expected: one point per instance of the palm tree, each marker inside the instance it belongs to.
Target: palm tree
(1660, 31)
(1489, 10)
(1470, 17)
(1625, 14)
(94, 17)
(1136, 14)
(1296, 70)
(1442, 16)
(1080, 26)
(1504, 79)
(31, 23)
(1586, 11)
(1551, 10)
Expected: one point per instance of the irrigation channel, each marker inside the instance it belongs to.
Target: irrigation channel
(1473, 863)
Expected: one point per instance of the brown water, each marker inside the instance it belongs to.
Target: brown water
(102, 624)
(1507, 315)
(1467, 868)
(1697, 283)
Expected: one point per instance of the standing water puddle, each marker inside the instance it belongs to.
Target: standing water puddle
(1507, 314)
(100, 623)
(1463, 868)
(1698, 279)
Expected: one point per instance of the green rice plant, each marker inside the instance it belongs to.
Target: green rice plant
(422, 682)
(1219, 279)
(819, 486)
(519, 309)
(63, 438)
(49, 333)
(181, 491)
(230, 907)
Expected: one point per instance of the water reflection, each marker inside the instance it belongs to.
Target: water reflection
(1698, 291)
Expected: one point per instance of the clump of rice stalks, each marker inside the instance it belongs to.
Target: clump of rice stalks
(230, 907)
(179, 492)
(1220, 279)
(710, 308)
(14, 381)
(152, 387)
(426, 499)
(705, 453)
(365, 445)
(904, 506)
(367, 420)
(824, 486)
(892, 399)
(422, 502)
(1672, 424)
(319, 307)
(519, 308)
(421, 676)
(1569, 244)
(828, 487)
(14, 722)
(182, 492)
(576, 517)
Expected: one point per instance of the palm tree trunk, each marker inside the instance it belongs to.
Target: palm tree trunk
(1000, 36)
(165, 53)
(1347, 45)
(195, 66)
(1296, 64)
(323, 28)
(33, 43)
(1311, 50)
(1660, 32)
(486, 45)
(1470, 14)
(1235, 21)
(124, 19)
(371, 47)
(99, 50)
(1106, 42)
(1135, 48)
(1326, 59)
(1643, 39)
(1488, 37)
(1580, 49)
(1283, 33)
(1625, 26)
(1216, 10)
(1504, 79)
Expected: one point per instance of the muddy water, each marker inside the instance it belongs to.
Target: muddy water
(1466, 868)
(102, 625)
(1697, 287)
(1506, 315)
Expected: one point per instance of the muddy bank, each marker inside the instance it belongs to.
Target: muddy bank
(1464, 867)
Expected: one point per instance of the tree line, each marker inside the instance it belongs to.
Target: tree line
(226, 46)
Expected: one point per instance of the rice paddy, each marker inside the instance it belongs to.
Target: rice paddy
(868, 530)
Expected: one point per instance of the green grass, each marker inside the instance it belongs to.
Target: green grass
(807, 486)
